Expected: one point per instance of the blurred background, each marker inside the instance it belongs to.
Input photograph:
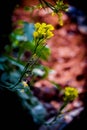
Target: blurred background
(68, 59)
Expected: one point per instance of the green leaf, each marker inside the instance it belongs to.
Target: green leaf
(43, 52)
(39, 113)
(26, 8)
(16, 63)
(56, 85)
(4, 77)
(14, 76)
(28, 30)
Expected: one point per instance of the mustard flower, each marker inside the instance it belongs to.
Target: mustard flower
(22, 90)
(43, 31)
(50, 27)
(53, 13)
(58, 8)
(70, 94)
(35, 34)
(60, 14)
(24, 84)
(37, 25)
(49, 34)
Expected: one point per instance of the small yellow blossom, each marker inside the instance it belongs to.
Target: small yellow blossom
(35, 34)
(43, 25)
(67, 10)
(37, 25)
(70, 94)
(49, 34)
(24, 84)
(50, 27)
(60, 22)
(60, 14)
(22, 90)
(53, 13)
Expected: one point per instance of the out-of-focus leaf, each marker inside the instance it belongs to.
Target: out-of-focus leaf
(16, 63)
(26, 8)
(38, 113)
(4, 76)
(14, 76)
(1, 67)
(56, 85)
(28, 30)
(29, 46)
(43, 52)
(2, 59)
(33, 105)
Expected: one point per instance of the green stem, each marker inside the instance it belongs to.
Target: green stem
(32, 61)
(43, 2)
(36, 47)
(62, 107)
(59, 112)
(21, 48)
(22, 75)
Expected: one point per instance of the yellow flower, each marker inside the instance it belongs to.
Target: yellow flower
(53, 13)
(49, 34)
(22, 90)
(60, 14)
(37, 25)
(35, 34)
(24, 84)
(50, 27)
(43, 25)
(60, 22)
(70, 94)
(41, 30)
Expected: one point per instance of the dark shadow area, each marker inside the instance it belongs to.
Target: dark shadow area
(6, 11)
(12, 113)
(79, 122)
(79, 4)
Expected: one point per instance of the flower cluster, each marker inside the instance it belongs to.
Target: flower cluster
(70, 94)
(43, 31)
(58, 9)
(60, 6)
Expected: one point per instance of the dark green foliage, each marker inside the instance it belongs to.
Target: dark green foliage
(10, 72)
